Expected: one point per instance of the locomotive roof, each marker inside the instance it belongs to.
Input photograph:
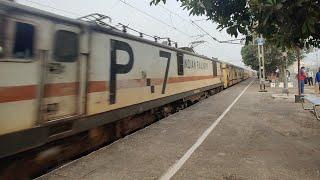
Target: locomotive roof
(9, 6)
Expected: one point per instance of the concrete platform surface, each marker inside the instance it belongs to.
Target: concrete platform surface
(259, 138)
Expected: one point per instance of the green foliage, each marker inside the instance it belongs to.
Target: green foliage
(250, 56)
(285, 23)
(273, 56)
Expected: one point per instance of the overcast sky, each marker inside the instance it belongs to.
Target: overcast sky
(168, 20)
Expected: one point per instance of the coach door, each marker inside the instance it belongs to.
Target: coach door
(62, 74)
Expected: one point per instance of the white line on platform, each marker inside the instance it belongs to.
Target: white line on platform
(175, 167)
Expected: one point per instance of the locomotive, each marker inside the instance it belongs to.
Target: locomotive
(61, 76)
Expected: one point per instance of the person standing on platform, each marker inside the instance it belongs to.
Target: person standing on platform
(302, 76)
(288, 74)
(317, 79)
(277, 72)
(310, 77)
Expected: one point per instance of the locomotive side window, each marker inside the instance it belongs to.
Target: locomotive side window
(214, 68)
(2, 36)
(180, 64)
(66, 46)
(219, 67)
(24, 40)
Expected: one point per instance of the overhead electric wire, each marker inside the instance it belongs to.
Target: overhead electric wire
(176, 14)
(149, 15)
(231, 40)
(215, 39)
(192, 22)
(47, 6)
(200, 20)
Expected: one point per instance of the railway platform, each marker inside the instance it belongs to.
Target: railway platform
(236, 134)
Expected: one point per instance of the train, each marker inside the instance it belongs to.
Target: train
(61, 76)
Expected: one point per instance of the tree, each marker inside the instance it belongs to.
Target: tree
(272, 54)
(285, 23)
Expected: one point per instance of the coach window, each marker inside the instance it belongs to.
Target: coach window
(180, 64)
(66, 46)
(24, 40)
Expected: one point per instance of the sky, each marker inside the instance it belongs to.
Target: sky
(169, 20)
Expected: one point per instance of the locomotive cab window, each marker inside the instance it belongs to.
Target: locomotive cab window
(24, 40)
(66, 46)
